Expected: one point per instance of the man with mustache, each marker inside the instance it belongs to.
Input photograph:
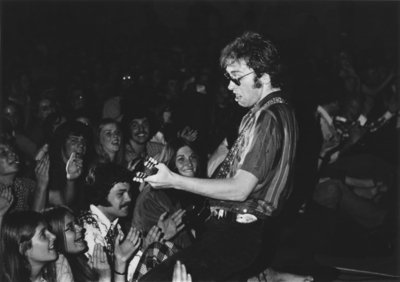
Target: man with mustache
(138, 127)
(109, 195)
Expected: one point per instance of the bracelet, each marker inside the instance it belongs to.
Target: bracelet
(119, 273)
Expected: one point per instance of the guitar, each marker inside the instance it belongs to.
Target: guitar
(195, 214)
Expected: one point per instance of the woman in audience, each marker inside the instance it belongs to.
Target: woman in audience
(107, 142)
(186, 160)
(27, 194)
(152, 204)
(27, 248)
(70, 242)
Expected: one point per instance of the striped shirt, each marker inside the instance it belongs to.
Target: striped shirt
(266, 148)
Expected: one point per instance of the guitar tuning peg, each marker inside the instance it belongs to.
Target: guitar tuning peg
(139, 177)
(153, 161)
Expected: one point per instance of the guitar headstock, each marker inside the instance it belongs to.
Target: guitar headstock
(149, 169)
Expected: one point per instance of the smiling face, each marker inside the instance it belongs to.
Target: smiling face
(110, 138)
(186, 161)
(247, 94)
(140, 130)
(9, 161)
(119, 199)
(75, 144)
(73, 234)
(42, 248)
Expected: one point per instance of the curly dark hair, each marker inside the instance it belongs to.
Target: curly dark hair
(259, 54)
(102, 178)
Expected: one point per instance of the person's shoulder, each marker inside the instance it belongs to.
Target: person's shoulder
(149, 197)
(143, 196)
(61, 259)
(63, 269)
(88, 218)
(154, 148)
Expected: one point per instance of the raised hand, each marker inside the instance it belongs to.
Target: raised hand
(154, 235)
(124, 250)
(98, 261)
(42, 170)
(171, 225)
(42, 152)
(74, 167)
(188, 134)
(6, 199)
(180, 274)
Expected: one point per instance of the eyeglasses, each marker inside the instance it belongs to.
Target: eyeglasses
(236, 80)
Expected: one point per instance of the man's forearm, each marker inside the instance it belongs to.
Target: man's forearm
(236, 188)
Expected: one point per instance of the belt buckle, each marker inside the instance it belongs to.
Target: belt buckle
(245, 218)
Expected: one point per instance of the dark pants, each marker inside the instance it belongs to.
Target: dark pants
(224, 252)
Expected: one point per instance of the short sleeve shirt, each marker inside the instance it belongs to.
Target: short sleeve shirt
(266, 148)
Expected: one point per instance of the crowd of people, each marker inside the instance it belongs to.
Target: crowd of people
(321, 173)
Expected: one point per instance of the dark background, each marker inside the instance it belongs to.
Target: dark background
(35, 33)
(144, 24)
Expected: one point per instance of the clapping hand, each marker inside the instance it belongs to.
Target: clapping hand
(154, 235)
(42, 170)
(98, 261)
(123, 250)
(74, 166)
(6, 199)
(180, 274)
(171, 225)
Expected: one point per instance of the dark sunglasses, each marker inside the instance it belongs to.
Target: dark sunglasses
(236, 80)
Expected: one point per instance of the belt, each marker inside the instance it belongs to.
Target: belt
(225, 215)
